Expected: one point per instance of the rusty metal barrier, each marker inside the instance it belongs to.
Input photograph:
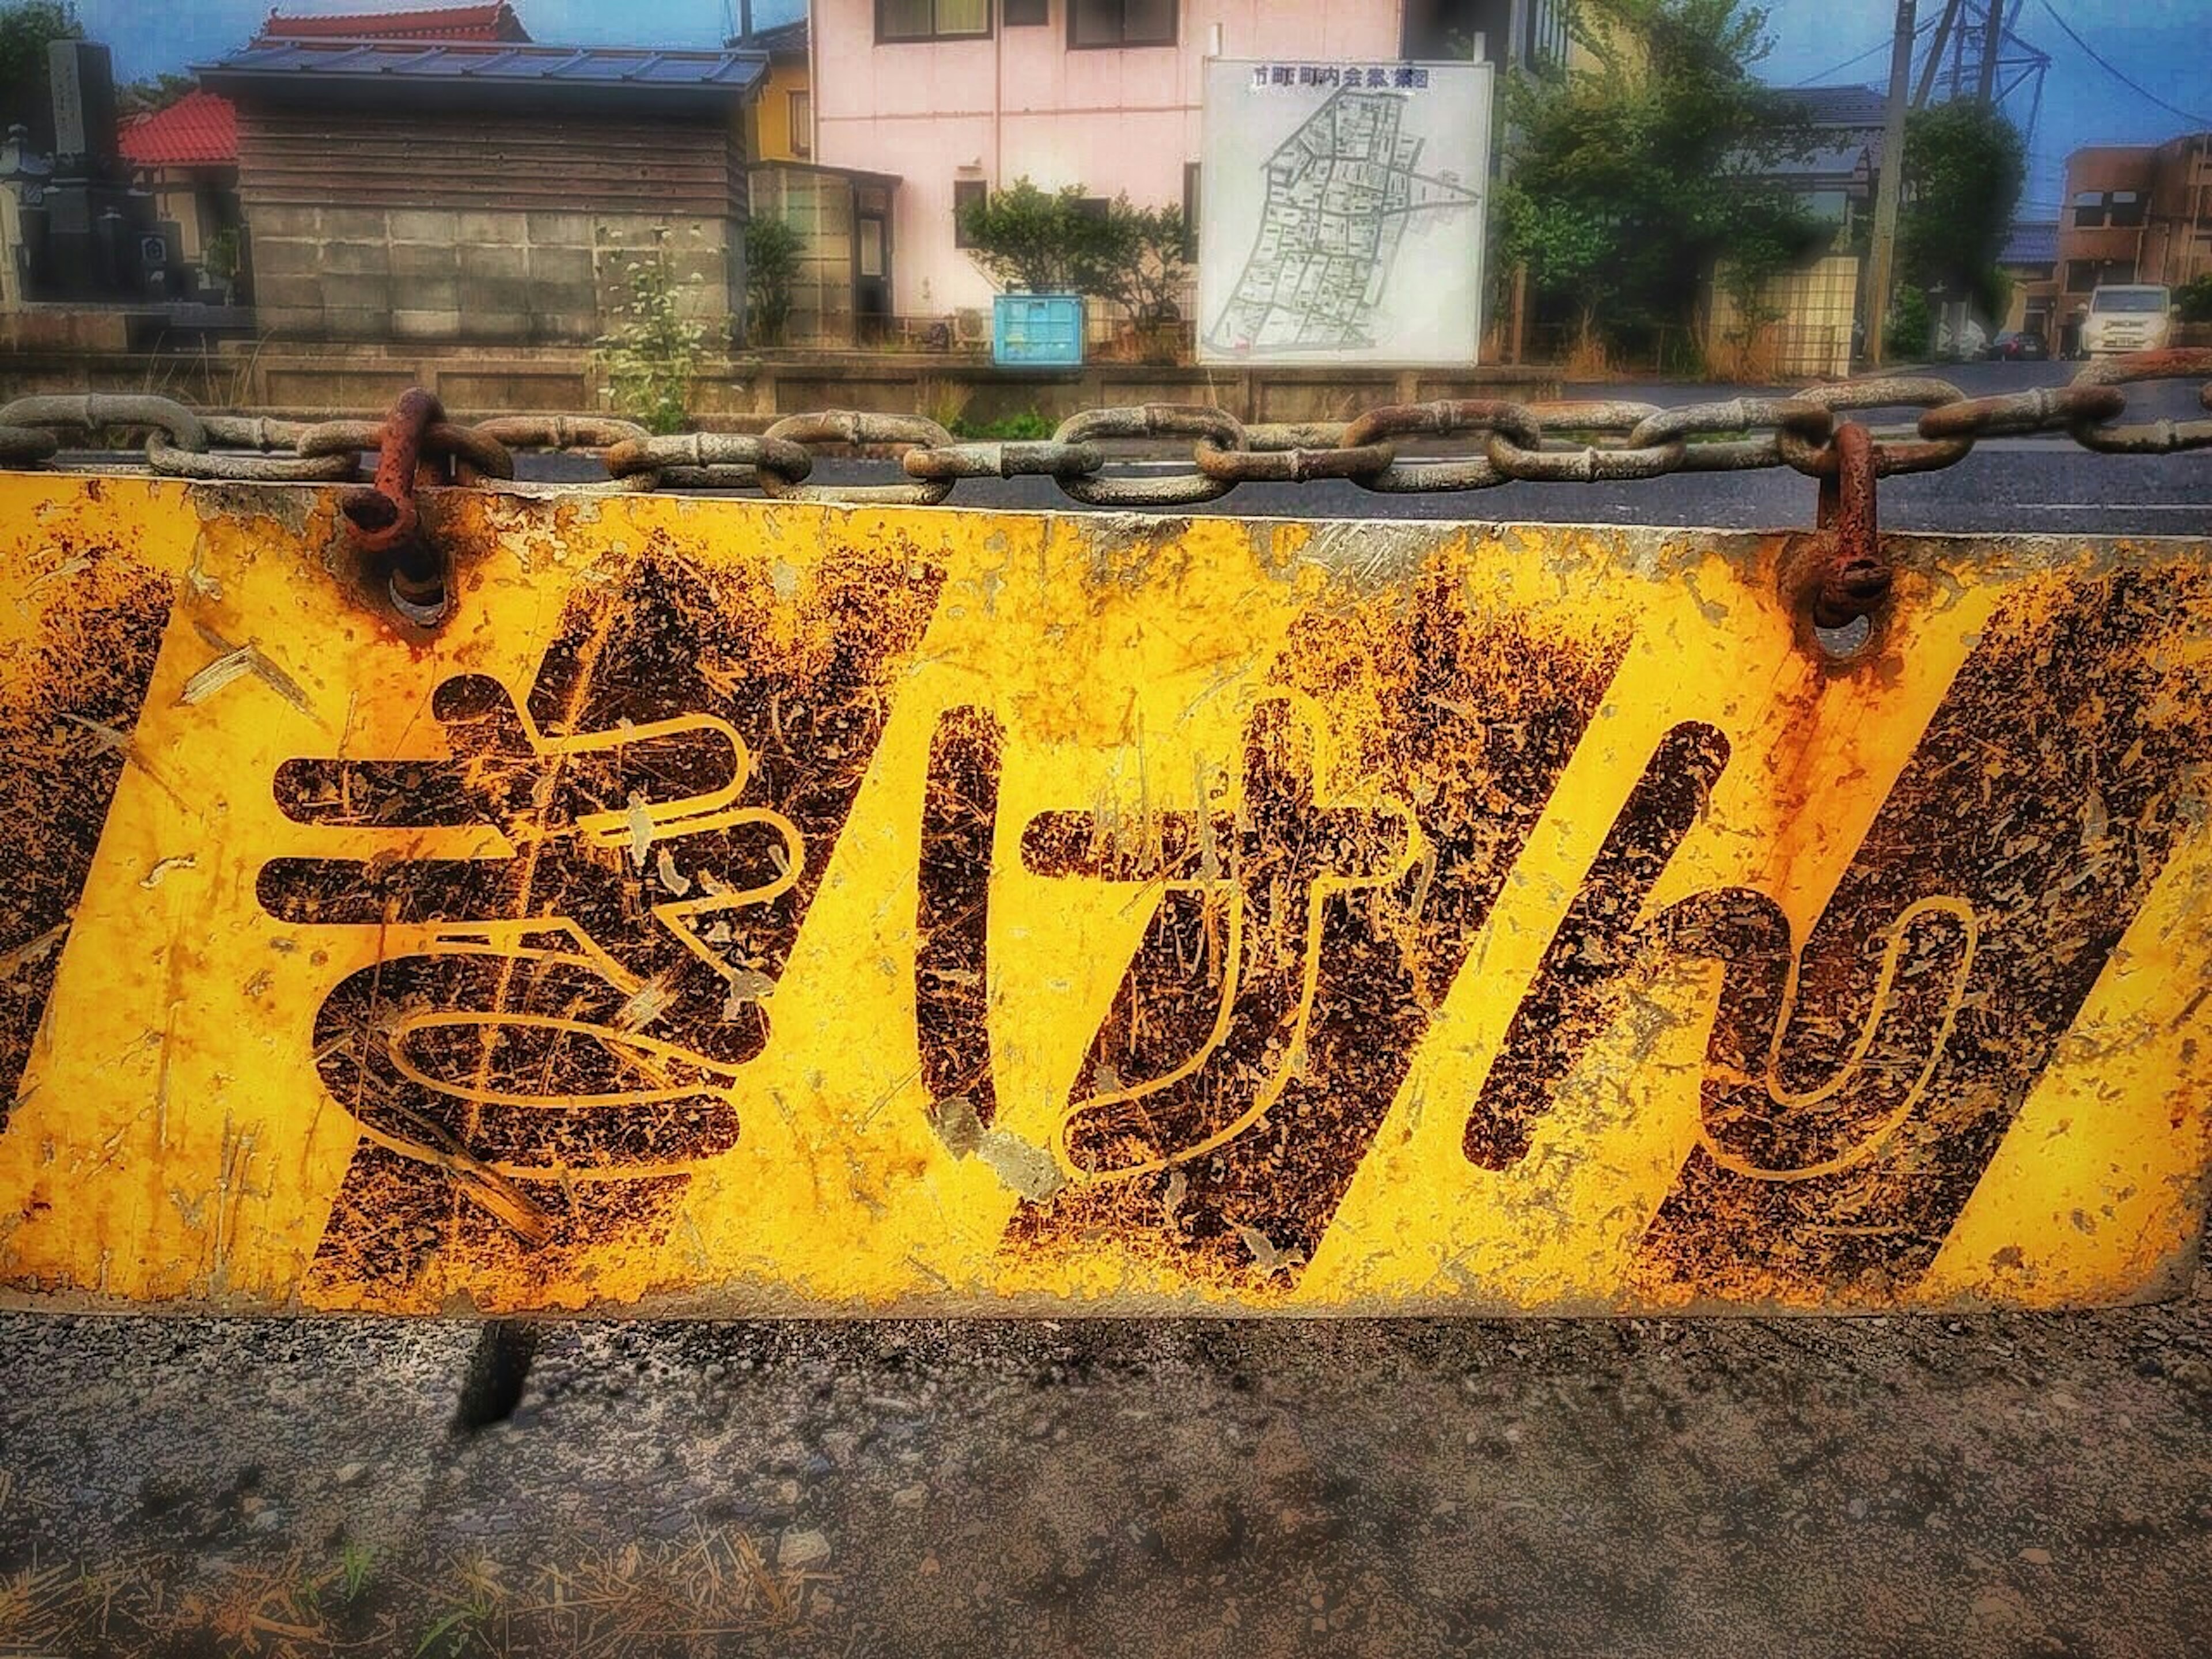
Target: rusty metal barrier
(732, 907)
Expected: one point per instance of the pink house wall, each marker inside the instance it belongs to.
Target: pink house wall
(1022, 102)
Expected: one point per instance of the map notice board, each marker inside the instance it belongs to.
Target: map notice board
(1341, 212)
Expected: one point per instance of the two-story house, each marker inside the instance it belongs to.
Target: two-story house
(955, 98)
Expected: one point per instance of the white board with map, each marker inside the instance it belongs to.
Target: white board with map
(1341, 212)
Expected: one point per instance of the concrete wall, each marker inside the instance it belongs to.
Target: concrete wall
(475, 275)
(732, 393)
(1022, 102)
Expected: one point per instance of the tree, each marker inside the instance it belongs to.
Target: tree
(1963, 168)
(1137, 259)
(2192, 301)
(1632, 179)
(26, 29)
(1026, 238)
(148, 97)
(772, 255)
(1065, 242)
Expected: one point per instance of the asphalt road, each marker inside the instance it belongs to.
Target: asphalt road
(1996, 1485)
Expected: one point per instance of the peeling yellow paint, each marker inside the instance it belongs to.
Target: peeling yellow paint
(743, 907)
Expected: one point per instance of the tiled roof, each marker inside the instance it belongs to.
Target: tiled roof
(199, 129)
(1860, 108)
(779, 40)
(493, 22)
(2031, 243)
(386, 68)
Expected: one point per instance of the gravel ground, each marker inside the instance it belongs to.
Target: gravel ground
(1996, 1485)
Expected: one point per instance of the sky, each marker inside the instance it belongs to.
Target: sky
(2164, 46)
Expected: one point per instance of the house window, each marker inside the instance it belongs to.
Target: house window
(1121, 22)
(966, 193)
(2080, 275)
(800, 111)
(933, 20)
(2121, 209)
(1015, 13)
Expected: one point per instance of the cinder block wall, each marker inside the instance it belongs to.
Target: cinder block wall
(495, 276)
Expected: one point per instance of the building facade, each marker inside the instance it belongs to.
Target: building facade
(186, 155)
(956, 98)
(2030, 262)
(2137, 214)
(780, 126)
(552, 171)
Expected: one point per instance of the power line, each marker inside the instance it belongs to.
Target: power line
(1882, 45)
(2118, 75)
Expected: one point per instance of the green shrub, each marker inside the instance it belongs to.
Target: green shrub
(1027, 427)
(1912, 325)
(772, 255)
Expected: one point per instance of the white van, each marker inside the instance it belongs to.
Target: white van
(2127, 317)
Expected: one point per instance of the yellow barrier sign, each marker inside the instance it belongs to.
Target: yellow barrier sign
(740, 909)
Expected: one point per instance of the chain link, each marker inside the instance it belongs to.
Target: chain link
(1607, 441)
(1193, 420)
(2158, 437)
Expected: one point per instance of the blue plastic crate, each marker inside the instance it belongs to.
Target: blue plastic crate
(1037, 331)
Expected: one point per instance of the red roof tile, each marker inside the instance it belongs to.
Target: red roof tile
(198, 131)
(493, 22)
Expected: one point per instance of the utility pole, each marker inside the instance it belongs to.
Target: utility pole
(1992, 49)
(1891, 184)
(1935, 60)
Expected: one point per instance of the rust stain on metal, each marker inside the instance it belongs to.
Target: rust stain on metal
(734, 909)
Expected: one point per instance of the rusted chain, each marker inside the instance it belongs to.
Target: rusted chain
(854, 426)
(1855, 578)
(1721, 420)
(170, 426)
(2019, 414)
(1584, 465)
(383, 520)
(27, 446)
(593, 435)
(2165, 437)
(1559, 462)
(1036, 458)
(1820, 459)
(1621, 440)
(1269, 461)
(252, 451)
(1194, 420)
(441, 440)
(1452, 418)
(704, 461)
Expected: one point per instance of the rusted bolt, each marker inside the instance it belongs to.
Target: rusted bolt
(383, 520)
(1855, 578)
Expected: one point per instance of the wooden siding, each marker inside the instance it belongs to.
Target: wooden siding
(301, 158)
